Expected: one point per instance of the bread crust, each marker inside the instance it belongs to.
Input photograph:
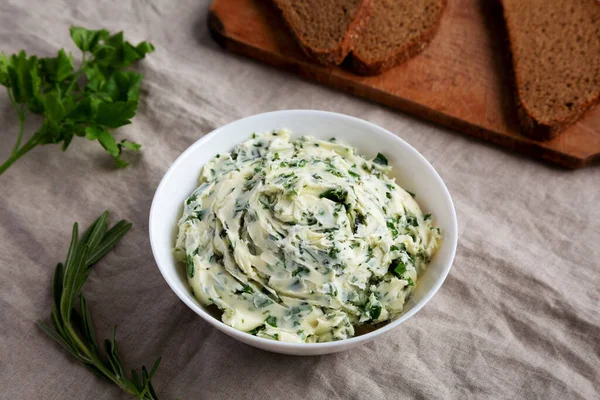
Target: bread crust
(530, 126)
(336, 55)
(409, 50)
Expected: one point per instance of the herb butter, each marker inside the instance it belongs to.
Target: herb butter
(302, 240)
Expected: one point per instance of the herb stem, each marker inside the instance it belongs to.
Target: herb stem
(21, 114)
(18, 153)
(97, 361)
(77, 75)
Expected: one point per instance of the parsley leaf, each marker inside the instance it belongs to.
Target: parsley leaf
(89, 101)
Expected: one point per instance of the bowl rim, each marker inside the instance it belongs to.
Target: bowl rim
(290, 346)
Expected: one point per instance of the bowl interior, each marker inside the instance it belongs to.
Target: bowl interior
(410, 169)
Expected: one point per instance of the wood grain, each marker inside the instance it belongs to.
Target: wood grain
(462, 80)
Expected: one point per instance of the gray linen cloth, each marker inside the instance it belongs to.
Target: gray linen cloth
(518, 316)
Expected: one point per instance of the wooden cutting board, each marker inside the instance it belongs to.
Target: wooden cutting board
(462, 80)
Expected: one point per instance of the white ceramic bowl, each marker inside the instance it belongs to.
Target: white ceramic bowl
(411, 170)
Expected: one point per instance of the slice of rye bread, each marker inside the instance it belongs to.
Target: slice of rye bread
(396, 31)
(325, 29)
(555, 46)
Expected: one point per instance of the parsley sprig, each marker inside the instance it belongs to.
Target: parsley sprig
(89, 101)
(74, 329)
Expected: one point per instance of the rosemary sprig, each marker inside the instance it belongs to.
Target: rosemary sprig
(74, 329)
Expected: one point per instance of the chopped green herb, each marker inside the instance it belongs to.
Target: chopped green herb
(333, 252)
(411, 220)
(257, 329)
(246, 289)
(190, 266)
(397, 267)
(400, 247)
(301, 270)
(191, 199)
(380, 159)
(337, 195)
(392, 227)
(370, 253)
(200, 214)
(262, 301)
(338, 268)
(271, 320)
(375, 312)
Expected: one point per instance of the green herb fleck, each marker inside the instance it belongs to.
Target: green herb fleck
(411, 220)
(380, 159)
(246, 289)
(375, 312)
(271, 320)
(191, 199)
(333, 252)
(301, 270)
(400, 247)
(392, 227)
(337, 195)
(397, 267)
(257, 329)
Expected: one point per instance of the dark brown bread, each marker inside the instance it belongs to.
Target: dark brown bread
(555, 46)
(325, 29)
(396, 31)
